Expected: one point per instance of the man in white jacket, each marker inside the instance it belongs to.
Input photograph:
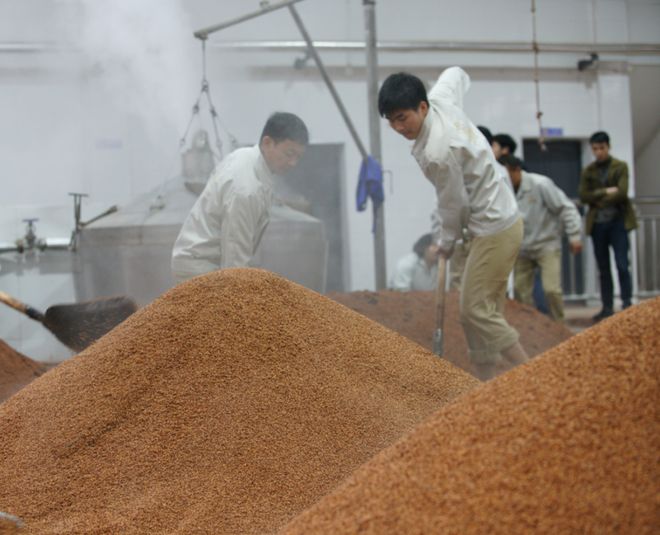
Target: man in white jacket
(457, 160)
(547, 212)
(230, 216)
(418, 270)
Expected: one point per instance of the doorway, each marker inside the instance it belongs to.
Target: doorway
(318, 180)
(561, 162)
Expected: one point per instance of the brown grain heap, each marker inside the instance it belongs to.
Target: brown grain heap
(412, 314)
(569, 443)
(16, 370)
(229, 405)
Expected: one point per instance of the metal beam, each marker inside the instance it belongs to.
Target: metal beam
(266, 8)
(497, 47)
(372, 91)
(328, 81)
(374, 136)
(309, 45)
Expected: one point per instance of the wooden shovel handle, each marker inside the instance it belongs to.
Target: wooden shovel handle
(440, 292)
(21, 307)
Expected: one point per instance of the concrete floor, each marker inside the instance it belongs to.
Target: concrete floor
(578, 316)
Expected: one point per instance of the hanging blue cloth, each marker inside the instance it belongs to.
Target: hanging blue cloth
(370, 185)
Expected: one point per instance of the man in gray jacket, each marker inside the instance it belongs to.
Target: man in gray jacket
(547, 212)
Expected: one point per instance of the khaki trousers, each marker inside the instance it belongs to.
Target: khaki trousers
(457, 265)
(483, 293)
(549, 263)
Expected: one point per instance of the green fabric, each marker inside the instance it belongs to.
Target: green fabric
(593, 194)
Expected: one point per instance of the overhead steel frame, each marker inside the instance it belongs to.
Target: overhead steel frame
(372, 95)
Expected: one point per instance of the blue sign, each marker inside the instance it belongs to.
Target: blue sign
(552, 132)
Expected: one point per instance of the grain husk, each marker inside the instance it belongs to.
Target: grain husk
(412, 314)
(16, 370)
(568, 443)
(229, 405)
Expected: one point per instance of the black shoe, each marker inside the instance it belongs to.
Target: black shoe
(605, 313)
(626, 304)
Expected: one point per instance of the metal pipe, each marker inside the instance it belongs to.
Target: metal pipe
(522, 47)
(654, 252)
(107, 212)
(205, 32)
(33, 47)
(328, 81)
(374, 136)
(646, 200)
(641, 267)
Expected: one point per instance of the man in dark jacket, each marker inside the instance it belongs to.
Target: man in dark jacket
(604, 187)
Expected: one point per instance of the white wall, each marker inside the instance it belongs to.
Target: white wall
(647, 169)
(104, 114)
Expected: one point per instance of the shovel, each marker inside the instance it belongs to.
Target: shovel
(78, 325)
(438, 337)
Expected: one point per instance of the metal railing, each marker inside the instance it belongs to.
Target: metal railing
(576, 268)
(647, 247)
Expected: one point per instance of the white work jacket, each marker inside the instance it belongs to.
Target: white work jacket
(547, 212)
(229, 218)
(458, 161)
(413, 273)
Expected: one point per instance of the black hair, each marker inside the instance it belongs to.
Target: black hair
(487, 134)
(511, 161)
(281, 126)
(599, 137)
(422, 244)
(505, 140)
(401, 91)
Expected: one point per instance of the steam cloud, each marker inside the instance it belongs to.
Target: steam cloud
(146, 57)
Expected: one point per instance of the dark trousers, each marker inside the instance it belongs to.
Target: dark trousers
(539, 294)
(612, 234)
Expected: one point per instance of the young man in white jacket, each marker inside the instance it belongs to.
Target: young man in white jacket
(547, 213)
(457, 160)
(230, 216)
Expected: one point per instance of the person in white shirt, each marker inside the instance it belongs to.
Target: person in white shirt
(456, 158)
(230, 216)
(547, 213)
(418, 270)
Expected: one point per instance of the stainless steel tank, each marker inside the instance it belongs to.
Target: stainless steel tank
(129, 251)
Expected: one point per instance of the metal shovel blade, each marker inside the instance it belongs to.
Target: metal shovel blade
(437, 342)
(78, 325)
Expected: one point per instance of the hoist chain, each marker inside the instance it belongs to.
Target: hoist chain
(537, 85)
(206, 90)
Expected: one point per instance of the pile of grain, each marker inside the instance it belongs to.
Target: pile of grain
(16, 371)
(412, 314)
(229, 405)
(568, 443)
